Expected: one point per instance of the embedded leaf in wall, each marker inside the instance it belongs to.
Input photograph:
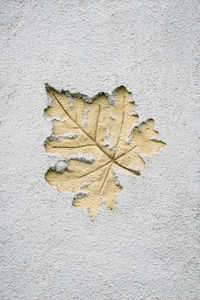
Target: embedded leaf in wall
(95, 137)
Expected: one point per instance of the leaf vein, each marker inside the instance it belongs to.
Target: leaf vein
(71, 147)
(97, 123)
(108, 170)
(122, 123)
(94, 170)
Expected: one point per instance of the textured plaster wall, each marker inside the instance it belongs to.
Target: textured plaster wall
(147, 247)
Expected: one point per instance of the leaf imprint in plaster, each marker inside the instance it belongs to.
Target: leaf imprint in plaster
(95, 137)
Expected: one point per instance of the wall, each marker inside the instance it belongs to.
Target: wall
(146, 247)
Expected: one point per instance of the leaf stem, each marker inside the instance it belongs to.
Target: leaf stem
(132, 171)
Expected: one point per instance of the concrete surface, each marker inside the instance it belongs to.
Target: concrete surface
(147, 247)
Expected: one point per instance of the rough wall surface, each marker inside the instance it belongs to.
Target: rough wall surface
(147, 247)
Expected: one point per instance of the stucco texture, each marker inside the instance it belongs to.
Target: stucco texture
(147, 247)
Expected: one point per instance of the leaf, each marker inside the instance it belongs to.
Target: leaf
(95, 137)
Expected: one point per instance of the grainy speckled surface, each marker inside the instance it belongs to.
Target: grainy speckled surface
(147, 247)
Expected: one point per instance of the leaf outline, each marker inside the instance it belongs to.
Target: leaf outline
(111, 159)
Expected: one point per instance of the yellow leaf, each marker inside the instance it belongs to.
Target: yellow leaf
(94, 137)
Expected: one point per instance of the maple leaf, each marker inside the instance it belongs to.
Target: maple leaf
(95, 137)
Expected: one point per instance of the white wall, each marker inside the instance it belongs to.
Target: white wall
(146, 248)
